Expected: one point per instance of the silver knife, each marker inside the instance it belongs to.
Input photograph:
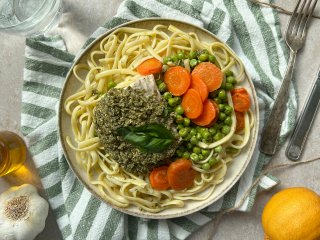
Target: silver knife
(302, 128)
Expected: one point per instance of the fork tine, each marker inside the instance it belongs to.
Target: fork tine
(310, 13)
(302, 15)
(293, 18)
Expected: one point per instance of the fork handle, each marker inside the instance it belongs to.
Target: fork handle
(271, 131)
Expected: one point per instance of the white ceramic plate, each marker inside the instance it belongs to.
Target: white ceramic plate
(235, 169)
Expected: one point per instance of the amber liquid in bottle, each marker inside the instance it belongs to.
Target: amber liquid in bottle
(13, 152)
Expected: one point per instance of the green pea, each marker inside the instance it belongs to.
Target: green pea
(225, 129)
(223, 86)
(203, 57)
(221, 107)
(212, 130)
(186, 155)
(228, 109)
(179, 110)
(192, 55)
(166, 60)
(193, 62)
(205, 152)
(228, 73)
(199, 136)
(212, 59)
(231, 80)
(189, 146)
(217, 100)
(167, 95)
(179, 153)
(206, 166)
(205, 135)
(228, 121)
(162, 87)
(193, 131)
(212, 161)
(174, 58)
(179, 119)
(111, 84)
(180, 126)
(158, 82)
(194, 140)
(222, 94)
(172, 102)
(186, 121)
(194, 157)
(218, 149)
(181, 55)
(177, 100)
(196, 150)
(228, 86)
(217, 136)
(222, 116)
(183, 132)
(201, 157)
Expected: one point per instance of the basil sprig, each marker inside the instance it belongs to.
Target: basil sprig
(150, 138)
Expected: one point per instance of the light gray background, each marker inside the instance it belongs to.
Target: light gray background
(79, 20)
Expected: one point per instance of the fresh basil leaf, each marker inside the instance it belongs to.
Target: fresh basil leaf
(150, 138)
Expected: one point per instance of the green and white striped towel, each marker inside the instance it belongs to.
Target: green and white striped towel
(253, 33)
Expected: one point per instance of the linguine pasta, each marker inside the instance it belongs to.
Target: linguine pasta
(116, 59)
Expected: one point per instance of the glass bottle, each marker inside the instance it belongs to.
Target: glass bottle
(13, 152)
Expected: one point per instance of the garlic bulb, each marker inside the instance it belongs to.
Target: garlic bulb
(22, 213)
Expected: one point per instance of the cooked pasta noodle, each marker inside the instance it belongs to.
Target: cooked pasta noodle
(116, 59)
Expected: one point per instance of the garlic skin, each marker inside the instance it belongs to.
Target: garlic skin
(22, 213)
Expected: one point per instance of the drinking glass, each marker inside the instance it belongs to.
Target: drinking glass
(13, 152)
(29, 17)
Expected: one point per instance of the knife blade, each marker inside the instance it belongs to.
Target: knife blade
(304, 123)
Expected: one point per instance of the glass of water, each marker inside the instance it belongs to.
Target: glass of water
(29, 17)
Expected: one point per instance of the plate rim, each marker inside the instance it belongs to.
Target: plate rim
(149, 215)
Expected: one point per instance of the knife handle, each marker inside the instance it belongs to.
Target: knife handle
(300, 133)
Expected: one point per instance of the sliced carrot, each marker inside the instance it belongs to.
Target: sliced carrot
(210, 74)
(241, 99)
(199, 85)
(158, 178)
(150, 66)
(217, 115)
(192, 104)
(208, 115)
(177, 80)
(241, 90)
(180, 174)
(240, 121)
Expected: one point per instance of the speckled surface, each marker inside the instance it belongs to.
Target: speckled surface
(78, 22)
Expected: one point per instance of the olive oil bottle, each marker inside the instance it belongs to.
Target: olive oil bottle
(13, 152)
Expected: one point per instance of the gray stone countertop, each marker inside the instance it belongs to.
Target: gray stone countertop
(79, 20)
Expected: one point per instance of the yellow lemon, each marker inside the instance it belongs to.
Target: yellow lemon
(292, 214)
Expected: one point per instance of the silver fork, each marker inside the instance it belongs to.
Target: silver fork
(295, 38)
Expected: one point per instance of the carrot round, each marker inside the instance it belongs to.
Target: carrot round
(210, 74)
(150, 66)
(240, 99)
(240, 121)
(158, 178)
(192, 104)
(177, 80)
(199, 85)
(208, 115)
(181, 175)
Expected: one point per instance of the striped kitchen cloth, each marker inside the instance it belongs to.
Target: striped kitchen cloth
(251, 31)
